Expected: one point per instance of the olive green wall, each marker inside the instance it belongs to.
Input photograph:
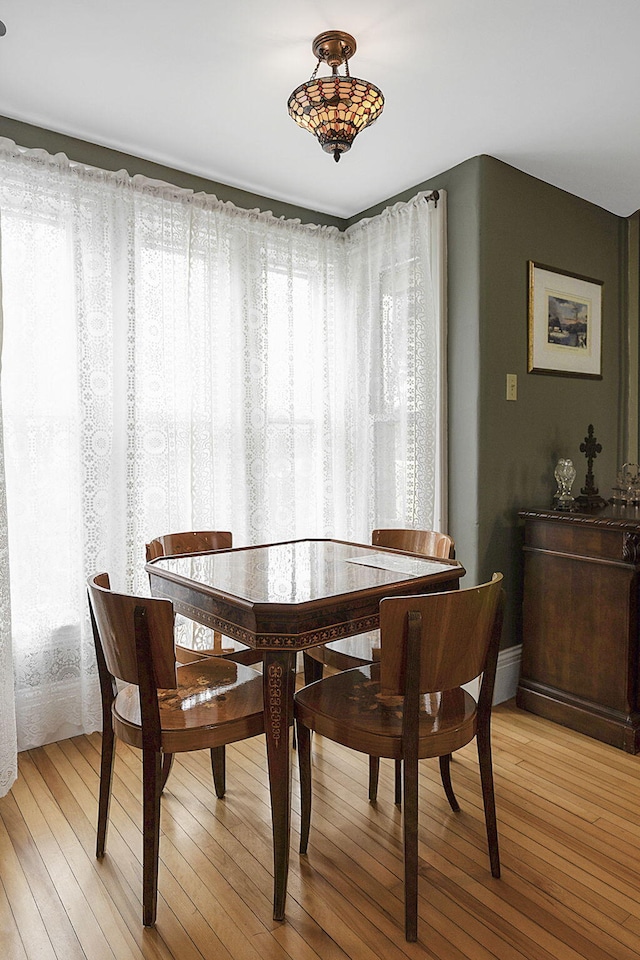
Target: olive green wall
(501, 453)
(520, 442)
(632, 344)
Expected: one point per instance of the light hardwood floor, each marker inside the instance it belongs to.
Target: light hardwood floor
(569, 821)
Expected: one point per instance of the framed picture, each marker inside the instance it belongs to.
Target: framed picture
(565, 323)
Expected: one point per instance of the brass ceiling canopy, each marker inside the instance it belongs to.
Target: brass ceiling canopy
(335, 108)
(333, 47)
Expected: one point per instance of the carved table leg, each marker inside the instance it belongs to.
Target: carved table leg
(279, 685)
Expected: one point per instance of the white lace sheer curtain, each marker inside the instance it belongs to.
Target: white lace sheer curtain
(173, 362)
(396, 301)
(8, 735)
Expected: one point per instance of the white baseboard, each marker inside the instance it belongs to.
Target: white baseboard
(507, 673)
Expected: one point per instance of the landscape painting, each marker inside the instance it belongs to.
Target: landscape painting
(565, 323)
(568, 322)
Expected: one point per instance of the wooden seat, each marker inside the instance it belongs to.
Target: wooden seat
(365, 647)
(164, 709)
(449, 639)
(194, 641)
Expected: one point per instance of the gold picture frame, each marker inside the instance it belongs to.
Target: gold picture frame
(565, 323)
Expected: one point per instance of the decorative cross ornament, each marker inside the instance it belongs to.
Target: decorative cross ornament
(591, 448)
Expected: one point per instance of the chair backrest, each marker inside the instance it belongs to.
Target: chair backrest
(192, 541)
(114, 616)
(430, 543)
(458, 628)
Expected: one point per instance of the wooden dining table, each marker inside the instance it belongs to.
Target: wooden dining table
(281, 598)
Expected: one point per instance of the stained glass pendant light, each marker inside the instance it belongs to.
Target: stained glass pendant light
(335, 108)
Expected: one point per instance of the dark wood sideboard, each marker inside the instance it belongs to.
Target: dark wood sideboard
(580, 648)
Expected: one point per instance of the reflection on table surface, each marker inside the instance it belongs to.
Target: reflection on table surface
(298, 572)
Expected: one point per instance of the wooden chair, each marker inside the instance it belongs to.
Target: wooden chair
(365, 647)
(449, 639)
(213, 644)
(164, 709)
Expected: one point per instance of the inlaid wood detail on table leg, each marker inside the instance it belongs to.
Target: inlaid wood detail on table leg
(279, 685)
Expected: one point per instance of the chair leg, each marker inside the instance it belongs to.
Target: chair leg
(374, 770)
(106, 775)
(218, 768)
(313, 669)
(410, 818)
(397, 799)
(445, 773)
(488, 799)
(167, 763)
(304, 765)
(151, 782)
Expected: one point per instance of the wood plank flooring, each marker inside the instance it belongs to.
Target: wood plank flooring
(569, 823)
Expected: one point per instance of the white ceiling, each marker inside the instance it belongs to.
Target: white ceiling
(549, 86)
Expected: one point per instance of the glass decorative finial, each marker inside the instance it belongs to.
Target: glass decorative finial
(565, 474)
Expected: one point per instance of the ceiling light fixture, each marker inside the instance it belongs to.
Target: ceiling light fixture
(335, 109)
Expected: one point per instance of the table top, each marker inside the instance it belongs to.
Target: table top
(297, 572)
(294, 588)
